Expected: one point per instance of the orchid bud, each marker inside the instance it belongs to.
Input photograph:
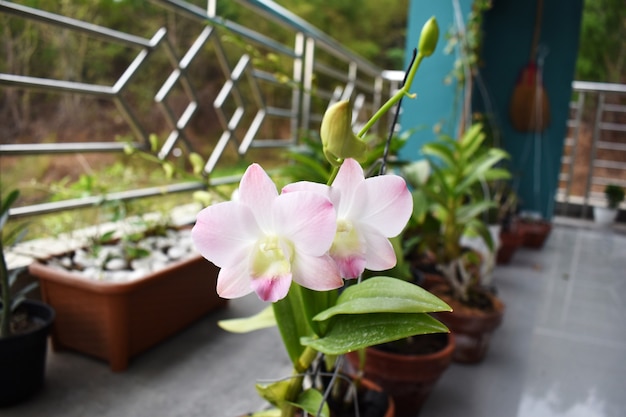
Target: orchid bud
(338, 139)
(428, 37)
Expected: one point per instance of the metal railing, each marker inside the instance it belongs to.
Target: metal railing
(595, 149)
(319, 72)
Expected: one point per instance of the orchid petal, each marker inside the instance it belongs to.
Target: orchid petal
(271, 288)
(380, 253)
(318, 273)
(234, 282)
(224, 233)
(314, 187)
(258, 191)
(346, 187)
(307, 219)
(389, 204)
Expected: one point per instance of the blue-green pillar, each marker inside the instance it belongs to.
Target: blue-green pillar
(434, 109)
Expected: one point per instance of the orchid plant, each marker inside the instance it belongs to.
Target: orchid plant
(304, 250)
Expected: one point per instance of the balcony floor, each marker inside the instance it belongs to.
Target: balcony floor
(561, 351)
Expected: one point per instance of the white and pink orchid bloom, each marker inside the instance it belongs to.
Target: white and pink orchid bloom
(369, 211)
(263, 240)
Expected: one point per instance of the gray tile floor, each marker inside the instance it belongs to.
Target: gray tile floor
(561, 351)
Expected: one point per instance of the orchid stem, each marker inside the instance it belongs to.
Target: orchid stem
(404, 91)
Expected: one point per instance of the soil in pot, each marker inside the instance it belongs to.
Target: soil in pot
(23, 355)
(472, 322)
(408, 369)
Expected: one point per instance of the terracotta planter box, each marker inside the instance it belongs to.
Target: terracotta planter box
(116, 321)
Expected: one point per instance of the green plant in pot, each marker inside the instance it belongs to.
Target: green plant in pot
(614, 196)
(304, 249)
(24, 326)
(450, 205)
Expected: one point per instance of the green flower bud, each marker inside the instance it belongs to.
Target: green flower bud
(338, 139)
(428, 37)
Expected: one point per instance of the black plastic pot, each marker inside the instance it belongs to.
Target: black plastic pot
(23, 356)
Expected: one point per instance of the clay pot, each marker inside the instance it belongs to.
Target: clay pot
(408, 378)
(472, 327)
(535, 233)
(509, 242)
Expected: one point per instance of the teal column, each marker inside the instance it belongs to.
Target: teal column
(508, 26)
(434, 108)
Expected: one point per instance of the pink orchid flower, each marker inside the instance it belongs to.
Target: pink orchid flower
(263, 240)
(369, 211)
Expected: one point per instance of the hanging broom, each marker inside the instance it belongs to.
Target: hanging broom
(529, 108)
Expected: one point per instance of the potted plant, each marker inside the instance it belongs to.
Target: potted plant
(534, 229)
(409, 368)
(614, 196)
(113, 302)
(296, 248)
(510, 237)
(450, 205)
(24, 328)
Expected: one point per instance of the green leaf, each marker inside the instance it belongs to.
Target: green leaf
(314, 302)
(495, 174)
(310, 401)
(384, 295)
(350, 332)
(477, 170)
(5, 205)
(275, 392)
(440, 150)
(263, 319)
(293, 322)
(468, 211)
(479, 227)
(471, 141)
(421, 205)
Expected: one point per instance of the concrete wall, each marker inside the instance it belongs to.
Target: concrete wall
(508, 28)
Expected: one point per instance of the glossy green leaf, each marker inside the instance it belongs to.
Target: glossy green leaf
(384, 295)
(263, 319)
(350, 332)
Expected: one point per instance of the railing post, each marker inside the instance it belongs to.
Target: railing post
(307, 82)
(594, 141)
(298, 92)
(570, 176)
